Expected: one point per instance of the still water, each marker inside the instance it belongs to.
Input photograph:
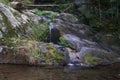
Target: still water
(24, 72)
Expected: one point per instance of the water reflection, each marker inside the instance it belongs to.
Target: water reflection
(22, 72)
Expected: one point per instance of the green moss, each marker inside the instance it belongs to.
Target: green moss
(31, 49)
(4, 1)
(50, 55)
(62, 41)
(92, 58)
(51, 15)
(10, 42)
(89, 59)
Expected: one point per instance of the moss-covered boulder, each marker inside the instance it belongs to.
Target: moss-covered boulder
(95, 56)
(32, 53)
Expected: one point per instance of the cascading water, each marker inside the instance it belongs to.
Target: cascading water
(54, 34)
(51, 26)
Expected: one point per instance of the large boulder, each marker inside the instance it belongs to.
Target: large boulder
(92, 57)
(76, 43)
(33, 53)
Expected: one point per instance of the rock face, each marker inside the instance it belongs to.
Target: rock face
(71, 26)
(70, 41)
(11, 19)
(77, 43)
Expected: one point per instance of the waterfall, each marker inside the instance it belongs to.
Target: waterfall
(51, 26)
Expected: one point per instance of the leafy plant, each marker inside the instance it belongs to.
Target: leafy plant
(10, 41)
(51, 15)
(38, 12)
(62, 41)
(38, 32)
(50, 55)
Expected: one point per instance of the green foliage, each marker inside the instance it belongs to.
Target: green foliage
(105, 17)
(10, 42)
(62, 41)
(4, 1)
(38, 32)
(89, 59)
(50, 55)
(10, 32)
(51, 15)
(38, 12)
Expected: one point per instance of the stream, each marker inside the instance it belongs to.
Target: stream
(25, 72)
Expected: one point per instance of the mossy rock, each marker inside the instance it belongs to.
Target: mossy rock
(29, 52)
(95, 56)
(50, 54)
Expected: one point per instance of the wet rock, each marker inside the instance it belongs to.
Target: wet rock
(54, 36)
(73, 57)
(64, 51)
